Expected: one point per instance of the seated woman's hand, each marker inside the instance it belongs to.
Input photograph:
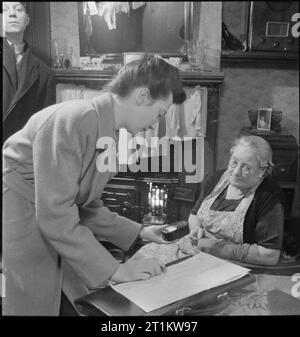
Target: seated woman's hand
(196, 233)
(186, 245)
(210, 246)
(138, 270)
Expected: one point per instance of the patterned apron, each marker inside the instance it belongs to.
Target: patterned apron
(223, 224)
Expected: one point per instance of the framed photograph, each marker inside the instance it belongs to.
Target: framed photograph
(264, 116)
(128, 57)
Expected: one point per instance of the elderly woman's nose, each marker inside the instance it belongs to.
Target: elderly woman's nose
(237, 170)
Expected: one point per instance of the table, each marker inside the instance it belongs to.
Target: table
(269, 295)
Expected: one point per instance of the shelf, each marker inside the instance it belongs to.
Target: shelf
(291, 185)
(100, 77)
(259, 57)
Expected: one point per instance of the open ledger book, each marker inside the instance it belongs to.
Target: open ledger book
(186, 278)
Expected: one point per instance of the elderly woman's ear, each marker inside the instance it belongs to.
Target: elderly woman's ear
(264, 173)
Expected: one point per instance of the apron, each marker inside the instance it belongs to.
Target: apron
(28, 261)
(225, 225)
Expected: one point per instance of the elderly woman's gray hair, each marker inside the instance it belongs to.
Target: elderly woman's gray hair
(260, 147)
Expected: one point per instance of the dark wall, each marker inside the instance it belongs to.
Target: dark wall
(38, 32)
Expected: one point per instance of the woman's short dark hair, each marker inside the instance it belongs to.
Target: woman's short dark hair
(153, 72)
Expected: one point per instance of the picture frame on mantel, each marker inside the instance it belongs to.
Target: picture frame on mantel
(264, 116)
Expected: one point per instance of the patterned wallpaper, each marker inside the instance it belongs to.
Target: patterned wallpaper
(250, 87)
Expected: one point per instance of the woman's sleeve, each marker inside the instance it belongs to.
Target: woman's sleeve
(109, 226)
(269, 228)
(57, 161)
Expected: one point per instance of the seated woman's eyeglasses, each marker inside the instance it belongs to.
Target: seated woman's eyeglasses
(245, 169)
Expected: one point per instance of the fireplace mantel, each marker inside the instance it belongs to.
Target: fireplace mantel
(97, 78)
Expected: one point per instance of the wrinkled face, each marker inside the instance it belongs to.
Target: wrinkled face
(148, 114)
(244, 168)
(15, 18)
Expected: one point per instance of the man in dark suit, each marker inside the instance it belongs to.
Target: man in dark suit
(27, 82)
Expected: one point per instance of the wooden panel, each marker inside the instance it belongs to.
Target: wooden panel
(97, 78)
(235, 15)
(38, 32)
(162, 23)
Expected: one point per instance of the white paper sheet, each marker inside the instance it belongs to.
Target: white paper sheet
(189, 277)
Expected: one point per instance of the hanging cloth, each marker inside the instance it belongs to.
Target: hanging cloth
(137, 4)
(109, 10)
(172, 121)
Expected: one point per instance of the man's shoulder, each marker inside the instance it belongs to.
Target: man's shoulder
(34, 59)
(42, 65)
(72, 116)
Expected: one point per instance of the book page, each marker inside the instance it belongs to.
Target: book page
(186, 278)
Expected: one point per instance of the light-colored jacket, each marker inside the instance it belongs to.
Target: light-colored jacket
(53, 214)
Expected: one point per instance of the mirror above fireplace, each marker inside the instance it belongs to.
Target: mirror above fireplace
(155, 27)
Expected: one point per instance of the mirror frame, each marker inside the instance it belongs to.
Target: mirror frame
(116, 58)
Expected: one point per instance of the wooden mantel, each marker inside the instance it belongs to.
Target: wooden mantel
(97, 78)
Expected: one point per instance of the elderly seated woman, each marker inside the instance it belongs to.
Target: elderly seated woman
(239, 214)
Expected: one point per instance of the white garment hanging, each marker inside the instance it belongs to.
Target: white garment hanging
(172, 121)
(137, 4)
(90, 8)
(194, 104)
(67, 92)
(109, 10)
(193, 121)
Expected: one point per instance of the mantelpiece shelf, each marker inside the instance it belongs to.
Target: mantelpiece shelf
(259, 57)
(99, 77)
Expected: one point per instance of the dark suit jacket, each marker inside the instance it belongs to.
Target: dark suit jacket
(25, 94)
